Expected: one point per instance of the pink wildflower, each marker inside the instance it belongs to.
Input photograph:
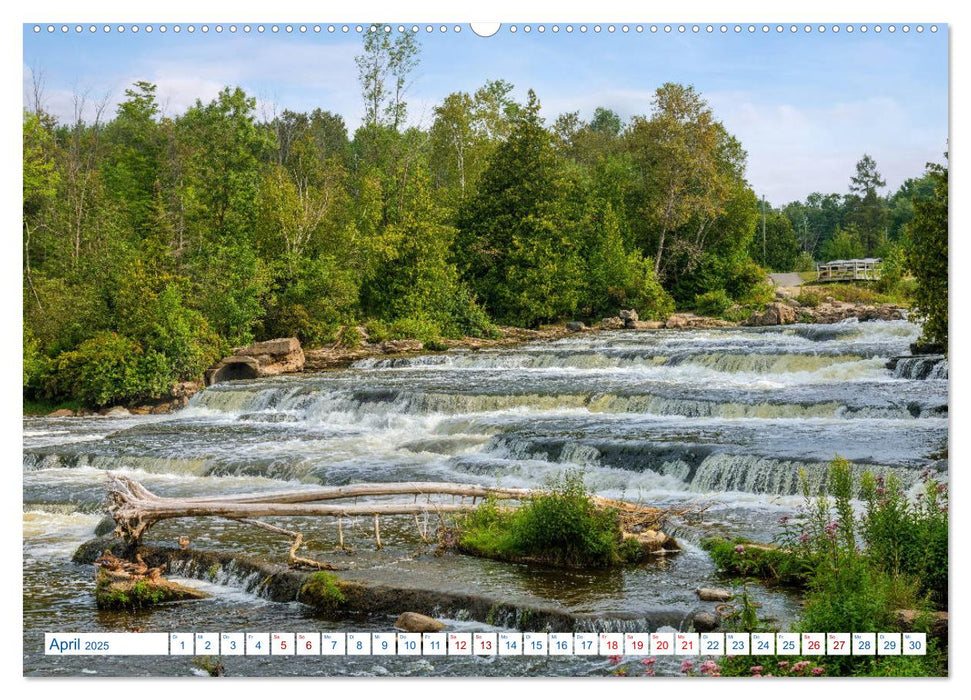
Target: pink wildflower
(818, 671)
(687, 666)
(755, 669)
(615, 659)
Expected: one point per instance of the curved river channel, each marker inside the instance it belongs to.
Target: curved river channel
(726, 417)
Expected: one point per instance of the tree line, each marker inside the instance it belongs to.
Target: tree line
(153, 244)
(860, 223)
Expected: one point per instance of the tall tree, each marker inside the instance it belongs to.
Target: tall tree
(677, 151)
(384, 69)
(928, 257)
(514, 244)
(867, 209)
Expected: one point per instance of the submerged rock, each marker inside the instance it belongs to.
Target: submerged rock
(704, 621)
(416, 622)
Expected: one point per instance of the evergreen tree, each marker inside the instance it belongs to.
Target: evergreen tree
(928, 257)
(515, 246)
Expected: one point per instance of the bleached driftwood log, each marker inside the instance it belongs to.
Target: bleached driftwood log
(135, 509)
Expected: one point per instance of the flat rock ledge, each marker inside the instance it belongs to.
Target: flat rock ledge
(279, 583)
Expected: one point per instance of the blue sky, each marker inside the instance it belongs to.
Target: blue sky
(805, 106)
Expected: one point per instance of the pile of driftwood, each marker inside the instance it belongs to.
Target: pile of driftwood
(123, 584)
(135, 509)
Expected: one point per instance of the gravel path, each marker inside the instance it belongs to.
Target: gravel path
(786, 279)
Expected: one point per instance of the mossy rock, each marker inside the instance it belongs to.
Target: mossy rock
(130, 594)
(322, 591)
(768, 563)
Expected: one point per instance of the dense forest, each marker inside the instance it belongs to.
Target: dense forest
(153, 244)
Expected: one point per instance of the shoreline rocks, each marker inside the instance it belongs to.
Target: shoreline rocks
(267, 358)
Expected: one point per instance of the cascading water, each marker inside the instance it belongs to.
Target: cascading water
(731, 417)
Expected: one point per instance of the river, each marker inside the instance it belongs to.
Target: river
(724, 417)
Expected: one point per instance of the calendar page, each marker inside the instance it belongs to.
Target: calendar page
(433, 348)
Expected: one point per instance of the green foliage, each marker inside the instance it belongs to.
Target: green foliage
(902, 564)
(809, 297)
(187, 235)
(772, 564)
(322, 591)
(713, 303)
(514, 245)
(928, 253)
(560, 528)
(804, 262)
(108, 369)
(893, 269)
(844, 245)
(779, 250)
(35, 363)
(905, 537)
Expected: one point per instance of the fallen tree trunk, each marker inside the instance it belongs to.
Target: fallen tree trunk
(135, 508)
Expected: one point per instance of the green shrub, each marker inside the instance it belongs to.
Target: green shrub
(908, 538)
(560, 528)
(757, 295)
(902, 564)
(108, 369)
(773, 565)
(805, 262)
(377, 331)
(810, 297)
(712, 303)
(423, 329)
(348, 337)
(35, 362)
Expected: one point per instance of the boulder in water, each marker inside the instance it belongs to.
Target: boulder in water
(612, 323)
(576, 326)
(263, 359)
(715, 595)
(648, 325)
(704, 621)
(61, 413)
(416, 622)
